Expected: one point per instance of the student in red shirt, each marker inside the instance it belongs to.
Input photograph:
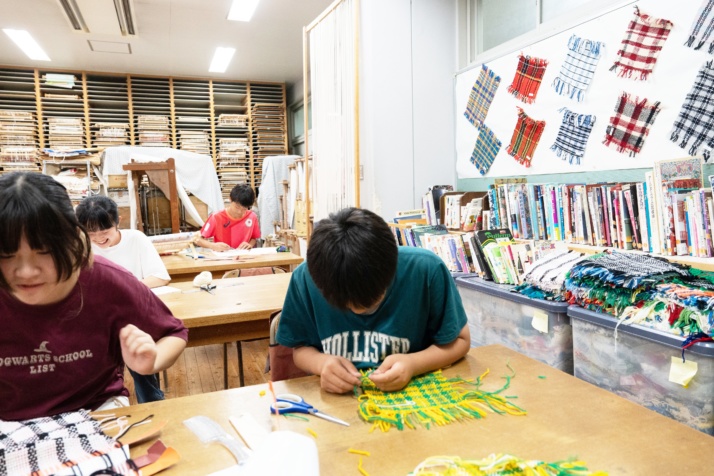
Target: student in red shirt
(236, 227)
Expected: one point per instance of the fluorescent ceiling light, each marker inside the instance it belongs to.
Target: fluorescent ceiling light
(221, 58)
(27, 44)
(242, 10)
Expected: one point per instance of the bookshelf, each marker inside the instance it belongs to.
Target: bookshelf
(237, 123)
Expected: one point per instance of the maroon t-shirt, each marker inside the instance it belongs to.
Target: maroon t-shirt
(66, 356)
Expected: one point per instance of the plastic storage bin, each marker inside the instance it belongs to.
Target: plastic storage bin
(498, 316)
(636, 365)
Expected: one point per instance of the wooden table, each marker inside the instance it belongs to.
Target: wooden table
(181, 268)
(239, 309)
(566, 417)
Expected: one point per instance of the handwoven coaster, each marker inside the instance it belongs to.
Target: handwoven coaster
(697, 37)
(525, 138)
(529, 75)
(482, 93)
(696, 118)
(485, 150)
(500, 465)
(573, 135)
(630, 124)
(641, 45)
(578, 69)
(431, 399)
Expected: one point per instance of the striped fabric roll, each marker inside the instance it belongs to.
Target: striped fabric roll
(482, 93)
(573, 135)
(485, 150)
(529, 75)
(525, 138)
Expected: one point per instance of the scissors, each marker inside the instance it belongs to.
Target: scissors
(209, 288)
(291, 403)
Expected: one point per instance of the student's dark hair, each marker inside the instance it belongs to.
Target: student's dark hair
(97, 213)
(35, 206)
(352, 257)
(243, 194)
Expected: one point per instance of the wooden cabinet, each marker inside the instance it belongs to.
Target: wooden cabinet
(237, 123)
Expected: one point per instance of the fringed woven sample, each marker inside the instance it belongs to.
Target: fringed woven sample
(485, 150)
(529, 75)
(631, 124)
(546, 278)
(578, 69)
(431, 399)
(525, 138)
(68, 443)
(573, 135)
(700, 34)
(641, 45)
(500, 465)
(482, 93)
(696, 118)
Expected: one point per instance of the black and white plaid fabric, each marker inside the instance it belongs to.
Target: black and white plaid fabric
(573, 135)
(627, 270)
(548, 273)
(65, 444)
(482, 93)
(578, 69)
(485, 150)
(696, 118)
(705, 16)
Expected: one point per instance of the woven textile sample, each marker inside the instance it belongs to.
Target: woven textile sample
(573, 135)
(578, 69)
(529, 75)
(482, 93)
(485, 150)
(700, 35)
(641, 45)
(431, 399)
(500, 465)
(525, 138)
(630, 124)
(68, 443)
(696, 118)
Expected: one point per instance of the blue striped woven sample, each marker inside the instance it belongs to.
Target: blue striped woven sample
(578, 68)
(485, 150)
(482, 93)
(573, 135)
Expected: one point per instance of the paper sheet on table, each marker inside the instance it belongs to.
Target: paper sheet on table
(165, 290)
(230, 254)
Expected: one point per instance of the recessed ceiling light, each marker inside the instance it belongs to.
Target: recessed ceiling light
(242, 10)
(27, 44)
(221, 58)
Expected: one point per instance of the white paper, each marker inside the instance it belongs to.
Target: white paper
(250, 252)
(540, 321)
(165, 290)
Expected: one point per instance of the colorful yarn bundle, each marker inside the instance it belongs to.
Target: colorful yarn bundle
(641, 45)
(529, 75)
(431, 399)
(525, 138)
(482, 93)
(578, 69)
(696, 118)
(500, 464)
(485, 150)
(630, 124)
(573, 135)
(706, 12)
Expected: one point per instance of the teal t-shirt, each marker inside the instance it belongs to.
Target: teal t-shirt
(421, 307)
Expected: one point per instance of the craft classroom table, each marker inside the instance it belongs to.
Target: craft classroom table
(238, 310)
(181, 268)
(566, 417)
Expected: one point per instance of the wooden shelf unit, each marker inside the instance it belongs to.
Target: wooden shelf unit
(19, 132)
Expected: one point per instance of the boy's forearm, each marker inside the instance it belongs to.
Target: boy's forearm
(204, 243)
(308, 359)
(168, 350)
(439, 356)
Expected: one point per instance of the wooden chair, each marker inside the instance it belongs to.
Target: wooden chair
(236, 273)
(280, 358)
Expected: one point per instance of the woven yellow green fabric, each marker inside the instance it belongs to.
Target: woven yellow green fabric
(431, 399)
(500, 465)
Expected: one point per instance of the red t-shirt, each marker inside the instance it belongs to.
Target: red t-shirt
(224, 229)
(65, 356)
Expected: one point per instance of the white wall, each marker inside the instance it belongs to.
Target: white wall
(408, 59)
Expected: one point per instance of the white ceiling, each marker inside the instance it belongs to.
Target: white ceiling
(174, 38)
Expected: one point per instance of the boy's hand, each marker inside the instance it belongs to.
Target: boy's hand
(220, 247)
(244, 246)
(338, 375)
(394, 374)
(138, 349)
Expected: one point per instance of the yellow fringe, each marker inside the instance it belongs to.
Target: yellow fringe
(500, 464)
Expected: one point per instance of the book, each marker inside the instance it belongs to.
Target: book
(418, 231)
(490, 243)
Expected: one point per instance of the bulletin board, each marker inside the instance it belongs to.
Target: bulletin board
(672, 78)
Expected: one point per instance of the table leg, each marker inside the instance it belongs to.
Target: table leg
(225, 366)
(240, 363)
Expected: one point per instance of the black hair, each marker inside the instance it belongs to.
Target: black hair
(352, 258)
(37, 207)
(97, 213)
(243, 194)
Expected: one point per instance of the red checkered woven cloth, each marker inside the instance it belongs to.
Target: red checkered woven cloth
(630, 124)
(641, 45)
(528, 78)
(525, 138)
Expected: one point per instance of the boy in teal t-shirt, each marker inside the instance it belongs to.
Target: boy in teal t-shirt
(360, 301)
